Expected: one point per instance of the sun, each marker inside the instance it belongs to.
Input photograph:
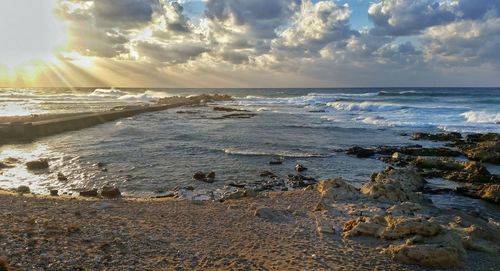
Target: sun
(30, 33)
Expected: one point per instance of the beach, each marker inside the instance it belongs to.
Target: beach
(215, 184)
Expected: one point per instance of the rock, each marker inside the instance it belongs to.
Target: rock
(238, 194)
(404, 209)
(89, 193)
(437, 137)
(276, 162)
(61, 177)
(272, 215)
(490, 192)
(100, 165)
(266, 173)
(38, 164)
(199, 176)
(395, 185)
(236, 116)
(460, 171)
(299, 181)
(227, 109)
(54, 193)
(4, 165)
(360, 152)
(487, 151)
(300, 168)
(401, 227)
(23, 189)
(337, 190)
(110, 192)
(211, 175)
(475, 138)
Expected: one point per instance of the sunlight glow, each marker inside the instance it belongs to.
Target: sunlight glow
(30, 33)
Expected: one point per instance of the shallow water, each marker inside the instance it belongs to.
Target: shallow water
(159, 151)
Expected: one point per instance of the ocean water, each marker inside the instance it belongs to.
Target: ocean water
(160, 151)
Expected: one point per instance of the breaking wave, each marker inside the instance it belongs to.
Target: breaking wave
(481, 117)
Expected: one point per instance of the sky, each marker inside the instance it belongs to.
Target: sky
(249, 43)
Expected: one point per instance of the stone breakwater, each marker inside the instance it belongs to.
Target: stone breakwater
(25, 131)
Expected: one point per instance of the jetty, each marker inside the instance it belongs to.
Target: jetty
(25, 131)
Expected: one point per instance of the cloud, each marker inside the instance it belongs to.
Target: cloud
(123, 14)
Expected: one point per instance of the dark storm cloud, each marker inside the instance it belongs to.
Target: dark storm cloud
(124, 14)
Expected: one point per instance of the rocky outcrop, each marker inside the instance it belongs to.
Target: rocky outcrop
(460, 171)
(23, 189)
(487, 151)
(299, 181)
(208, 178)
(437, 137)
(360, 152)
(110, 192)
(227, 109)
(336, 190)
(89, 193)
(490, 192)
(395, 185)
(37, 164)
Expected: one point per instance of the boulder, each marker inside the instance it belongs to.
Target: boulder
(54, 193)
(395, 185)
(300, 168)
(460, 171)
(211, 175)
(360, 152)
(23, 189)
(89, 193)
(110, 192)
(336, 190)
(37, 164)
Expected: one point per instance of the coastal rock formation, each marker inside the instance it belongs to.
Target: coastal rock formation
(460, 171)
(89, 193)
(201, 176)
(23, 189)
(490, 192)
(299, 181)
(110, 192)
(227, 109)
(395, 185)
(37, 164)
(487, 151)
(300, 168)
(360, 152)
(437, 137)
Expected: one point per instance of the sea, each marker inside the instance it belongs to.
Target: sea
(150, 153)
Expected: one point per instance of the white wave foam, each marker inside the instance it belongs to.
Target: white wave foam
(481, 117)
(107, 93)
(147, 96)
(365, 106)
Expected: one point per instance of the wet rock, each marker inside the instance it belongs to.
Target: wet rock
(419, 151)
(101, 165)
(275, 162)
(199, 176)
(272, 215)
(110, 192)
(211, 175)
(237, 185)
(300, 168)
(37, 164)
(360, 152)
(490, 192)
(487, 151)
(89, 193)
(266, 173)
(395, 185)
(4, 165)
(437, 137)
(227, 109)
(23, 189)
(54, 192)
(236, 116)
(299, 181)
(460, 171)
(61, 177)
(475, 138)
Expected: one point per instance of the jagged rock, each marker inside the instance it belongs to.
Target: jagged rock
(360, 152)
(23, 189)
(37, 164)
(395, 185)
(461, 171)
(404, 209)
(89, 193)
(437, 137)
(445, 253)
(487, 151)
(475, 138)
(490, 192)
(272, 215)
(337, 189)
(110, 192)
(401, 227)
(300, 168)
